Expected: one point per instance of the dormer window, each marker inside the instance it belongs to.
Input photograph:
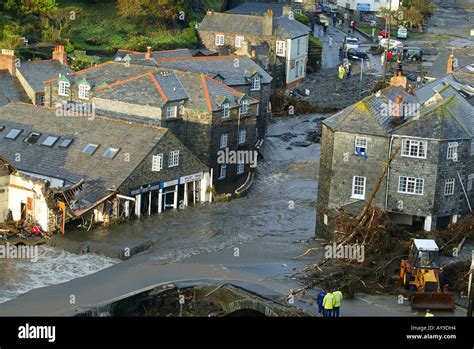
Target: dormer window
(225, 110)
(255, 83)
(244, 107)
(84, 91)
(171, 112)
(64, 88)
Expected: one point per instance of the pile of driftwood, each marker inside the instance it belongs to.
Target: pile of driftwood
(455, 235)
(383, 245)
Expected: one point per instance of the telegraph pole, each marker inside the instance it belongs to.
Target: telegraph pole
(388, 43)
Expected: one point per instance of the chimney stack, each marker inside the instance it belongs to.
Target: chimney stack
(268, 23)
(59, 54)
(397, 110)
(148, 53)
(449, 69)
(8, 61)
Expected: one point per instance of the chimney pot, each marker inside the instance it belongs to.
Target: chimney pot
(148, 52)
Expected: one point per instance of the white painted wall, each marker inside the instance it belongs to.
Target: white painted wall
(375, 6)
(301, 58)
(15, 190)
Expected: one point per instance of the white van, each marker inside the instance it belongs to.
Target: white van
(402, 33)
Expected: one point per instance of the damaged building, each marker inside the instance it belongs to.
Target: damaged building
(96, 168)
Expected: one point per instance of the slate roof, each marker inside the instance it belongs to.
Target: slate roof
(11, 90)
(120, 54)
(461, 80)
(101, 175)
(250, 8)
(37, 72)
(283, 27)
(218, 65)
(448, 118)
(154, 86)
(370, 114)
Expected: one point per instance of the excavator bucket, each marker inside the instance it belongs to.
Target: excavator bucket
(435, 300)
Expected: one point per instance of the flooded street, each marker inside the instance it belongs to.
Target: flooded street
(280, 205)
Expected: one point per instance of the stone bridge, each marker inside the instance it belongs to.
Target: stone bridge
(215, 300)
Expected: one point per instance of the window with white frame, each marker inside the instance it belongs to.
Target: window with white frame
(244, 107)
(242, 136)
(240, 168)
(358, 187)
(449, 186)
(298, 46)
(472, 147)
(297, 69)
(219, 40)
(410, 185)
(255, 83)
(238, 41)
(173, 159)
(414, 148)
(470, 182)
(222, 171)
(157, 163)
(84, 91)
(453, 151)
(281, 48)
(64, 88)
(172, 112)
(225, 110)
(224, 140)
(360, 146)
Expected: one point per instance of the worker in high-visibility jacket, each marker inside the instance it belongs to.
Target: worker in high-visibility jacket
(328, 304)
(337, 295)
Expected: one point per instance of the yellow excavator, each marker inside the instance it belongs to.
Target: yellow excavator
(420, 273)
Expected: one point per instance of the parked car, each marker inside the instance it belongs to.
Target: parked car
(333, 11)
(355, 53)
(392, 45)
(412, 54)
(318, 9)
(383, 34)
(326, 8)
(402, 33)
(351, 42)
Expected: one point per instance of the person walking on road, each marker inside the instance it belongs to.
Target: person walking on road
(353, 26)
(340, 23)
(337, 302)
(328, 304)
(330, 40)
(342, 71)
(325, 27)
(334, 20)
(319, 301)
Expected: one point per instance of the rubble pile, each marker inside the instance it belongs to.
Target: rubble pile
(384, 245)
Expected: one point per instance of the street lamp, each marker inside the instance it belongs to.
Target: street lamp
(361, 67)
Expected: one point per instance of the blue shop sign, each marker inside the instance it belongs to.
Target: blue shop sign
(363, 7)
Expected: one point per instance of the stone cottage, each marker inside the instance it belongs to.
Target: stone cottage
(101, 168)
(284, 39)
(430, 181)
(204, 113)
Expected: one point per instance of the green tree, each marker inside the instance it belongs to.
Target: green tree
(167, 10)
(23, 8)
